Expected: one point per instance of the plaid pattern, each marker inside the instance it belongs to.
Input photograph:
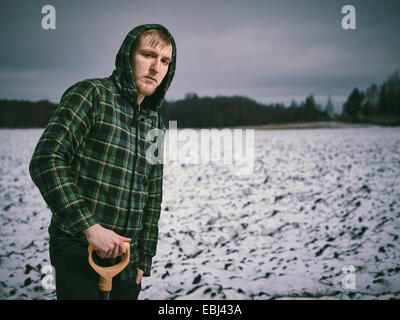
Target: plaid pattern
(90, 162)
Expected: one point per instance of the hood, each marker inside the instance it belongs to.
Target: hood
(123, 75)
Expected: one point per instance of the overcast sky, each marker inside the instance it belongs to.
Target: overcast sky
(271, 51)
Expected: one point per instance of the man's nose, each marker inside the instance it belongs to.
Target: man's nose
(156, 66)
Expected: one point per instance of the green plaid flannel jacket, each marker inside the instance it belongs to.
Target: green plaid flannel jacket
(90, 162)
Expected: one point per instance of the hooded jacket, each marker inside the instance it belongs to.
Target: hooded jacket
(90, 162)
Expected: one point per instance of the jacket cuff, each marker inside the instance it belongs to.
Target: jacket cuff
(83, 223)
(145, 265)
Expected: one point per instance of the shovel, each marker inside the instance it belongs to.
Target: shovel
(107, 273)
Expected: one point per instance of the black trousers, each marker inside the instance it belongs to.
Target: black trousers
(76, 279)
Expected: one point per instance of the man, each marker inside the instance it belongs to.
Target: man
(90, 166)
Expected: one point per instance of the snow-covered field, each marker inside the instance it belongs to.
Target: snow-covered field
(318, 200)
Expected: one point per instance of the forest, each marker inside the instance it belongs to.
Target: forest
(377, 104)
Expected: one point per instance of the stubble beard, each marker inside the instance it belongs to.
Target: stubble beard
(148, 89)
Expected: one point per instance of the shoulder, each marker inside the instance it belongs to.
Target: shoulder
(101, 84)
(84, 88)
(92, 86)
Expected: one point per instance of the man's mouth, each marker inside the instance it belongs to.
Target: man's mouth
(148, 77)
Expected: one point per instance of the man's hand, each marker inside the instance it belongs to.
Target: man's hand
(108, 243)
(139, 276)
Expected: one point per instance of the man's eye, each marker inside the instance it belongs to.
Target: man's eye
(165, 62)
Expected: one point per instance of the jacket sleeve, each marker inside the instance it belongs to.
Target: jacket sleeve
(148, 236)
(50, 163)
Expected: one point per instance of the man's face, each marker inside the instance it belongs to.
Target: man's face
(150, 65)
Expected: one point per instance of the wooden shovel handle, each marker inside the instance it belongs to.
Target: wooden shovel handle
(107, 273)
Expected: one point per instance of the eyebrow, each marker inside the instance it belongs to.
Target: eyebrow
(155, 53)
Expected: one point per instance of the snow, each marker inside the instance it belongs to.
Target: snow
(317, 200)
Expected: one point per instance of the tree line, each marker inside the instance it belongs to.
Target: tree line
(376, 101)
(25, 114)
(192, 111)
(221, 111)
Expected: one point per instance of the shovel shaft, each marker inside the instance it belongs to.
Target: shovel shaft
(104, 295)
(105, 284)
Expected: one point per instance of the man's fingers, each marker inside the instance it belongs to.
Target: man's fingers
(113, 245)
(115, 252)
(107, 254)
(122, 248)
(110, 254)
(101, 254)
(122, 245)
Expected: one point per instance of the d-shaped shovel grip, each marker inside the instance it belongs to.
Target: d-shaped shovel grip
(107, 273)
